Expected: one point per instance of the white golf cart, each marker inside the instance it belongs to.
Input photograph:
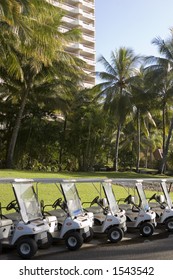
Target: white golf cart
(163, 205)
(108, 218)
(24, 229)
(138, 213)
(74, 225)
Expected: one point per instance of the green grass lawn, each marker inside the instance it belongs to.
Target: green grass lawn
(49, 192)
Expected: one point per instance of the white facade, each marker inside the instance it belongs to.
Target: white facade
(81, 14)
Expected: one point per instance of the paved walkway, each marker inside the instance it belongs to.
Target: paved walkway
(59, 247)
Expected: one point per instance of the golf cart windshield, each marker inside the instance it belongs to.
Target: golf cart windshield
(143, 201)
(166, 194)
(27, 200)
(72, 199)
(110, 198)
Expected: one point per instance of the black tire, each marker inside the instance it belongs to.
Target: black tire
(90, 237)
(73, 240)
(146, 229)
(48, 243)
(27, 248)
(169, 224)
(115, 234)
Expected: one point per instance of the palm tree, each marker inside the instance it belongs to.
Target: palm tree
(160, 71)
(37, 50)
(115, 88)
(10, 19)
(142, 99)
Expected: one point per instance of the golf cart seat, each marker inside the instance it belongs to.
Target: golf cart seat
(154, 204)
(6, 222)
(130, 202)
(14, 216)
(58, 213)
(5, 226)
(94, 209)
(159, 204)
(125, 207)
(156, 208)
(131, 216)
(102, 203)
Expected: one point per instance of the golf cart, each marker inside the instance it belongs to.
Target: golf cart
(24, 229)
(108, 218)
(163, 205)
(138, 213)
(74, 225)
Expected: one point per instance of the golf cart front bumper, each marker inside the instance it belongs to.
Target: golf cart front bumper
(152, 216)
(123, 226)
(85, 232)
(41, 238)
(153, 221)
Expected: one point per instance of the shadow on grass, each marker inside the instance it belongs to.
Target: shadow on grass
(68, 175)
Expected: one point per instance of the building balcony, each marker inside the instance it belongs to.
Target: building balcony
(90, 62)
(82, 48)
(87, 4)
(89, 39)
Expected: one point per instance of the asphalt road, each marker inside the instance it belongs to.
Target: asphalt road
(132, 247)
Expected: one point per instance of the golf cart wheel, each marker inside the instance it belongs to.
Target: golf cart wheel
(147, 229)
(115, 234)
(48, 243)
(90, 237)
(73, 240)
(27, 248)
(169, 224)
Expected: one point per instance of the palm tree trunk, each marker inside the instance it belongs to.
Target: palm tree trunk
(165, 152)
(61, 151)
(87, 151)
(11, 148)
(138, 140)
(164, 126)
(117, 147)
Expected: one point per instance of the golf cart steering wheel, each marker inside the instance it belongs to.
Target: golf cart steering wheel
(57, 202)
(12, 205)
(153, 197)
(135, 208)
(128, 199)
(95, 200)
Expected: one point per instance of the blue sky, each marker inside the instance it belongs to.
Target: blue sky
(131, 23)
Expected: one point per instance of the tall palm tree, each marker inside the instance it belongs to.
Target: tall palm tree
(115, 87)
(160, 71)
(142, 99)
(41, 47)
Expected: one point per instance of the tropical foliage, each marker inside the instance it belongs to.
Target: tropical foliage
(48, 121)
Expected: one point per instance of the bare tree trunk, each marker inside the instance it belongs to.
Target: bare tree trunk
(61, 151)
(165, 152)
(164, 126)
(11, 148)
(138, 141)
(117, 148)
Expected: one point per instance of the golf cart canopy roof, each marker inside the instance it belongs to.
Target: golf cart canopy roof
(86, 180)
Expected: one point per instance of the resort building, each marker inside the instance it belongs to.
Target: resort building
(81, 14)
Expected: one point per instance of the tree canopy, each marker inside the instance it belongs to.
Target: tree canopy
(49, 121)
